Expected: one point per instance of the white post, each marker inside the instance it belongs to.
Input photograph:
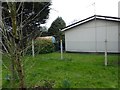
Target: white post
(105, 52)
(106, 45)
(33, 53)
(61, 47)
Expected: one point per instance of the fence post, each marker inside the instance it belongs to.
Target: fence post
(105, 52)
(33, 53)
(61, 47)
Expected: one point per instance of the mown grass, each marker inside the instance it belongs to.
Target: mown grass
(74, 71)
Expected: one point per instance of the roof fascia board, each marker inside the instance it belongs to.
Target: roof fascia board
(91, 18)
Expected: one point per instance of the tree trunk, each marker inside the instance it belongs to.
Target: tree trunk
(20, 71)
(12, 72)
(17, 60)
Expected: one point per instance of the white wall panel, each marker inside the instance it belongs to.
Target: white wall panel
(90, 37)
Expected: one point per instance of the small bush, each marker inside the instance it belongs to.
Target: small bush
(42, 47)
(65, 84)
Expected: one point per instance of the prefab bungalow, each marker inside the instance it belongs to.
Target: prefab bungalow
(93, 34)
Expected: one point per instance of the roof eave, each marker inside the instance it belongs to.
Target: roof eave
(89, 19)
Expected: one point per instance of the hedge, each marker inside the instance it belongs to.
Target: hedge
(42, 47)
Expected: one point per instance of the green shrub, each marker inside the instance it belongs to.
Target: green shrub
(65, 84)
(42, 47)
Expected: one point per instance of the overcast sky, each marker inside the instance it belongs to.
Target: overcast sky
(73, 10)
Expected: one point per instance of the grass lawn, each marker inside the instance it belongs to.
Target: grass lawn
(74, 71)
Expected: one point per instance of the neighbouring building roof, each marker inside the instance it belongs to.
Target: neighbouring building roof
(52, 38)
(95, 17)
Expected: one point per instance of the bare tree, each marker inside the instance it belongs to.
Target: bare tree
(13, 39)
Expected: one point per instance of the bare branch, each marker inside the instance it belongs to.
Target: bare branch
(35, 16)
(19, 7)
(29, 15)
(4, 47)
(5, 66)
